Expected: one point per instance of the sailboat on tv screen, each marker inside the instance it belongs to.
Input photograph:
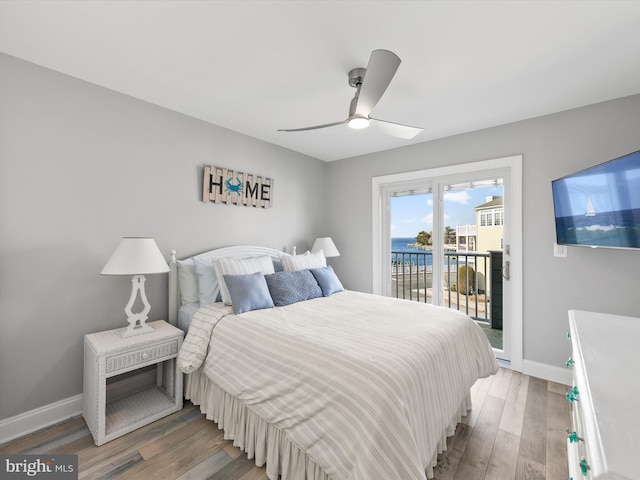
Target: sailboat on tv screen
(591, 212)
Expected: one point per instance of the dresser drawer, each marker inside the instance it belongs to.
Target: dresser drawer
(574, 456)
(577, 451)
(123, 362)
(605, 412)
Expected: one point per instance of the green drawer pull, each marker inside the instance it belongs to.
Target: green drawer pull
(572, 395)
(573, 437)
(569, 363)
(569, 335)
(584, 467)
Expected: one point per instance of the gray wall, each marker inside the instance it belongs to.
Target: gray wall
(81, 167)
(552, 146)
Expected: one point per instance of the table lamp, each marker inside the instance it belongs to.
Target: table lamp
(138, 257)
(327, 246)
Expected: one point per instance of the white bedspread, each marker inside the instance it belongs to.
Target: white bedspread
(365, 385)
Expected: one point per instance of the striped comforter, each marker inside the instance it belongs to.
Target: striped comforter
(365, 385)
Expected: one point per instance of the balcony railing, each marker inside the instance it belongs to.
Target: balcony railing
(466, 230)
(412, 279)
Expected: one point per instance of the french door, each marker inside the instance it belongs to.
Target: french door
(496, 226)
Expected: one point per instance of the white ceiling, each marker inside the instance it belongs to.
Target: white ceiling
(256, 66)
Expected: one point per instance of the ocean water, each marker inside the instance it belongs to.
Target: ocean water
(400, 245)
(415, 256)
(619, 228)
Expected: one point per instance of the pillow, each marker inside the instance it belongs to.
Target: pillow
(291, 287)
(277, 265)
(248, 292)
(293, 263)
(207, 281)
(239, 266)
(188, 281)
(328, 280)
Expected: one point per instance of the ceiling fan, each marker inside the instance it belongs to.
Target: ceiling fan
(370, 84)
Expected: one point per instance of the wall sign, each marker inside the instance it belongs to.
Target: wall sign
(222, 185)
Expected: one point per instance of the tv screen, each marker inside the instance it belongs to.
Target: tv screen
(600, 206)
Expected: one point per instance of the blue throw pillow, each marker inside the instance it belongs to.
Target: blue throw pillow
(328, 280)
(248, 292)
(291, 287)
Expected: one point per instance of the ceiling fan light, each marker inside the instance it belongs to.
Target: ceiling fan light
(359, 122)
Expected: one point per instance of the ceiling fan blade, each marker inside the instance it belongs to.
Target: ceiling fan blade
(380, 71)
(315, 127)
(396, 129)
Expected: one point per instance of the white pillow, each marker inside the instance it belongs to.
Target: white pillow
(294, 263)
(188, 281)
(239, 266)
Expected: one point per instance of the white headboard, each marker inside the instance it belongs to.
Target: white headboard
(235, 251)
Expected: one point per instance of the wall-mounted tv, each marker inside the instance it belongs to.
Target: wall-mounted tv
(600, 206)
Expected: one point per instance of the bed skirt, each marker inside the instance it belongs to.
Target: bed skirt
(265, 442)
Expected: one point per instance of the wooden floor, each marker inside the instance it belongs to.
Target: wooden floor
(516, 430)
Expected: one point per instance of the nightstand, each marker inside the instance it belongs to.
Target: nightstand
(108, 355)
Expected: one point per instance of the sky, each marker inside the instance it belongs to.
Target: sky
(413, 213)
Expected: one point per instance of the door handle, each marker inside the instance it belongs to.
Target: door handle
(505, 270)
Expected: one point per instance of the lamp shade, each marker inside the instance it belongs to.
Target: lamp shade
(327, 246)
(136, 256)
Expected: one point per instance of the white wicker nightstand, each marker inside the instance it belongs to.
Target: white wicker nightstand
(108, 354)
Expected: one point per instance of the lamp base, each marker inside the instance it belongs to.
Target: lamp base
(133, 330)
(137, 321)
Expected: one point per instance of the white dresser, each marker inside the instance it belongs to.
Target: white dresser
(604, 442)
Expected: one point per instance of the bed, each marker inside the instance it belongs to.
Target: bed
(324, 383)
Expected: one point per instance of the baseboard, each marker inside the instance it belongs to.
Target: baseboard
(39, 418)
(547, 372)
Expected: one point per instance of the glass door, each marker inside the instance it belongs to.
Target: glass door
(411, 245)
(473, 215)
(451, 236)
